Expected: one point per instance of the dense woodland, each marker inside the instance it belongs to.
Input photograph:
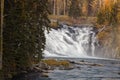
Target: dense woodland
(102, 9)
(23, 23)
(23, 34)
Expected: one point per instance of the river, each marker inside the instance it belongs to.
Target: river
(110, 70)
(80, 43)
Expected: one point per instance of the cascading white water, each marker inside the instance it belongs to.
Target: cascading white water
(69, 41)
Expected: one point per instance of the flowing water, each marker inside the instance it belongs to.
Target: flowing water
(110, 70)
(66, 41)
(80, 43)
(107, 70)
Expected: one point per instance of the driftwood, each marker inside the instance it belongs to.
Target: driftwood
(103, 28)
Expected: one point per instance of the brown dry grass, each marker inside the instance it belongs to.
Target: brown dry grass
(53, 62)
(71, 21)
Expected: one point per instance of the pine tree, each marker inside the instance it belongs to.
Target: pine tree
(75, 10)
(24, 38)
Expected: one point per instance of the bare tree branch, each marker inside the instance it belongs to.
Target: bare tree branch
(103, 28)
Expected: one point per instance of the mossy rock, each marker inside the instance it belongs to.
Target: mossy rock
(53, 62)
(64, 63)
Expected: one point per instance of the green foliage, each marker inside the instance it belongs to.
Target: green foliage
(75, 10)
(24, 38)
(1, 75)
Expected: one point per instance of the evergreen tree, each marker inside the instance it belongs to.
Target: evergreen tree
(75, 10)
(24, 38)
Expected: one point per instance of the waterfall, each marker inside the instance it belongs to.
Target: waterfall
(71, 41)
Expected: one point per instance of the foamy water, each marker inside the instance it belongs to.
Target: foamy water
(69, 41)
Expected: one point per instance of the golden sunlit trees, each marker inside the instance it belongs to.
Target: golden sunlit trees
(109, 15)
(108, 12)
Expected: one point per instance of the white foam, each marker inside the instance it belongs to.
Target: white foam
(70, 42)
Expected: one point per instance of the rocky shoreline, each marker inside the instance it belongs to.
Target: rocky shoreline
(46, 66)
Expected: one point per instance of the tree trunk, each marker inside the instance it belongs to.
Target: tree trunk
(1, 35)
(64, 6)
(54, 7)
(58, 12)
(100, 3)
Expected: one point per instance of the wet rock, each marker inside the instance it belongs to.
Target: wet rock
(85, 63)
(51, 67)
(36, 69)
(73, 62)
(43, 65)
(78, 67)
(66, 68)
(44, 75)
(70, 68)
(82, 61)
(119, 73)
(96, 65)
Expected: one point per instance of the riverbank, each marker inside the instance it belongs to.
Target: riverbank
(42, 69)
(82, 69)
(56, 20)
